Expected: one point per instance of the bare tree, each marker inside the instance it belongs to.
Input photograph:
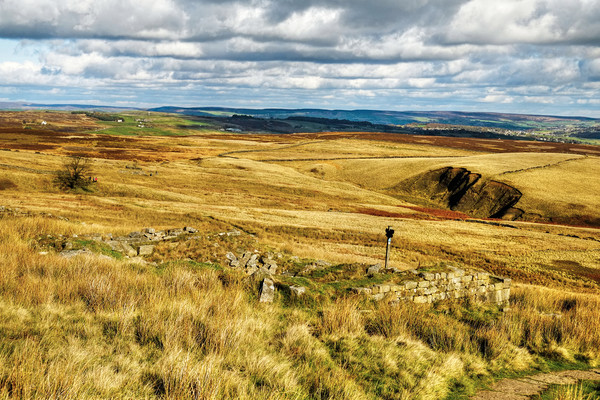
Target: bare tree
(74, 174)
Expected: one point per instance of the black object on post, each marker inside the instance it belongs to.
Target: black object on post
(389, 232)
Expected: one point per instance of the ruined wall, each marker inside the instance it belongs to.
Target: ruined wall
(429, 287)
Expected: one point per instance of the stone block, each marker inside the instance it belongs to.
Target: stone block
(420, 299)
(410, 285)
(251, 270)
(378, 296)
(384, 288)
(507, 282)
(272, 267)
(423, 284)
(361, 290)
(252, 261)
(467, 278)
(244, 259)
(483, 276)
(427, 276)
(267, 291)
(145, 250)
(497, 297)
(128, 250)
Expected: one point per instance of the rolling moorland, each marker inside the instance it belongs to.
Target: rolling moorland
(180, 323)
(431, 123)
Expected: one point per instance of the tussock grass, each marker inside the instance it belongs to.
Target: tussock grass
(89, 327)
(579, 391)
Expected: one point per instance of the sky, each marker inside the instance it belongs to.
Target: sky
(523, 56)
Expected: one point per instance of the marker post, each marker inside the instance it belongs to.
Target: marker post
(389, 233)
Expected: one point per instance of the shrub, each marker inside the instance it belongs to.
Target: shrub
(74, 174)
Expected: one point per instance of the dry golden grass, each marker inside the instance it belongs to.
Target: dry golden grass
(283, 203)
(89, 327)
(572, 392)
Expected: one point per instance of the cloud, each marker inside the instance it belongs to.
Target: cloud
(398, 53)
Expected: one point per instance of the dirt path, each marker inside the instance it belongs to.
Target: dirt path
(526, 387)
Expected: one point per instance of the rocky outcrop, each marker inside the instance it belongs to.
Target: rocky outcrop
(462, 190)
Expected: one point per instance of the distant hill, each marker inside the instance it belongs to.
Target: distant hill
(61, 107)
(483, 119)
(437, 123)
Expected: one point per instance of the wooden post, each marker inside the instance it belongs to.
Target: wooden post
(389, 232)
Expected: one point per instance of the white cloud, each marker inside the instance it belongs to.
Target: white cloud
(506, 52)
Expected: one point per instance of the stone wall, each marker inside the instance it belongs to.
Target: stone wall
(430, 287)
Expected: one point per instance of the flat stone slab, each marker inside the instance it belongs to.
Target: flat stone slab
(582, 375)
(553, 379)
(520, 387)
(489, 395)
(524, 388)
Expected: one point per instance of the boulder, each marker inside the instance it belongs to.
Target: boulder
(189, 229)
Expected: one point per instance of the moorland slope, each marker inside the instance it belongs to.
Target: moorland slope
(180, 324)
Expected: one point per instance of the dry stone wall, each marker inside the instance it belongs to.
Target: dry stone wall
(456, 283)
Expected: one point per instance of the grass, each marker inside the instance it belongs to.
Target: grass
(114, 329)
(580, 391)
(189, 327)
(152, 124)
